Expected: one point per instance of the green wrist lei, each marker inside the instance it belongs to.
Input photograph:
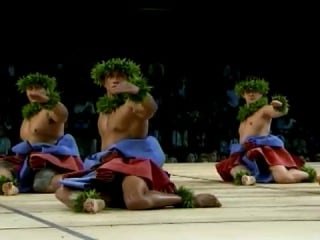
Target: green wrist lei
(285, 106)
(246, 111)
(31, 109)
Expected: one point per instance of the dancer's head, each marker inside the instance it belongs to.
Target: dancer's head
(112, 72)
(36, 83)
(252, 89)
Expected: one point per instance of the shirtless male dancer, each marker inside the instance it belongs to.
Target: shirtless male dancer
(260, 156)
(45, 151)
(127, 173)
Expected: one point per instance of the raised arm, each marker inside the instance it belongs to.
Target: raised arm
(59, 113)
(146, 108)
(277, 108)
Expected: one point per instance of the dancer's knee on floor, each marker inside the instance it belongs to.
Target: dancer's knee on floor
(134, 193)
(137, 202)
(282, 175)
(41, 185)
(42, 181)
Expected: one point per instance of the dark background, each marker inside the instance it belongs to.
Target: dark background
(194, 39)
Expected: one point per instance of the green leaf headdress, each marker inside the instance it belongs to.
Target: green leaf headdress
(127, 67)
(36, 79)
(252, 84)
(42, 80)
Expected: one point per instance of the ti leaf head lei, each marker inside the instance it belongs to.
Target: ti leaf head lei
(106, 68)
(38, 80)
(252, 84)
(131, 70)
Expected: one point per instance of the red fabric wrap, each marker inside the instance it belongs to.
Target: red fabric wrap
(62, 163)
(39, 160)
(272, 155)
(113, 163)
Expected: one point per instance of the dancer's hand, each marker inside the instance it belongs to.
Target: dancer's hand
(124, 87)
(276, 103)
(39, 96)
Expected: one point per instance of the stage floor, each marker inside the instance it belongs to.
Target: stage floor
(257, 212)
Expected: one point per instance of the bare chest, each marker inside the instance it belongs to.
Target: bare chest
(116, 121)
(38, 125)
(255, 125)
(250, 122)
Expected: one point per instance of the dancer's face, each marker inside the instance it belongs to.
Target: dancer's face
(113, 80)
(34, 91)
(251, 96)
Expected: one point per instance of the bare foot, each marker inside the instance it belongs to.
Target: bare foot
(9, 189)
(93, 205)
(248, 180)
(205, 200)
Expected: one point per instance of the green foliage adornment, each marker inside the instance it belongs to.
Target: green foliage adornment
(4, 180)
(31, 109)
(238, 179)
(252, 84)
(108, 104)
(105, 68)
(285, 104)
(187, 197)
(144, 89)
(311, 171)
(247, 110)
(36, 79)
(82, 197)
